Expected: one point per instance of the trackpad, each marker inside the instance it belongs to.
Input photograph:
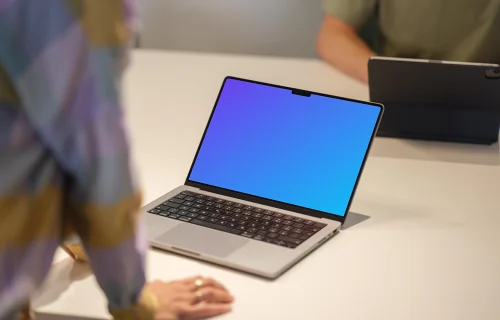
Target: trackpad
(202, 240)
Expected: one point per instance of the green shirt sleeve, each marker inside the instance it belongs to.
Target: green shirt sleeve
(353, 12)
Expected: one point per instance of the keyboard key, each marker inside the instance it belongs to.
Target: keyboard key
(288, 218)
(192, 215)
(204, 218)
(194, 210)
(187, 203)
(248, 235)
(277, 220)
(174, 216)
(319, 225)
(185, 208)
(182, 213)
(268, 218)
(238, 205)
(229, 203)
(215, 226)
(172, 204)
(298, 220)
(252, 230)
(213, 220)
(278, 215)
(258, 210)
(279, 242)
(214, 215)
(257, 215)
(290, 240)
(262, 232)
(222, 222)
(164, 213)
(219, 201)
(190, 199)
(236, 210)
(303, 237)
(200, 201)
(308, 223)
(201, 196)
(259, 237)
(294, 235)
(283, 233)
(267, 212)
(184, 218)
(247, 213)
(174, 200)
(273, 235)
(155, 211)
(227, 208)
(287, 223)
(299, 231)
(173, 210)
(248, 208)
(197, 206)
(298, 225)
(273, 230)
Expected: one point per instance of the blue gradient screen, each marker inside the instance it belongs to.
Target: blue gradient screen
(267, 142)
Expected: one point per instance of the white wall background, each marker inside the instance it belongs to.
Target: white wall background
(260, 27)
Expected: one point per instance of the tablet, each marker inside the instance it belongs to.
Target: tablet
(437, 100)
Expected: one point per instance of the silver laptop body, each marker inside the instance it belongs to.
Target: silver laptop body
(257, 246)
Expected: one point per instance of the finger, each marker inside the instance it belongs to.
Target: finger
(212, 295)
(205, 310)
(204, 282)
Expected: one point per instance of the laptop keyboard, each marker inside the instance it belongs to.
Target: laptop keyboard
(239, 219)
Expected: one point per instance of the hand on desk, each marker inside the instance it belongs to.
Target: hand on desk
(193, 298)
(188, 299)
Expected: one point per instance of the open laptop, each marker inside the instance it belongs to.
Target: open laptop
(437, 100)
(273, 178)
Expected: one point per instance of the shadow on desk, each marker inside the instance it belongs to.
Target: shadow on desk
(353, 219)
(436, 151)
(61, 276)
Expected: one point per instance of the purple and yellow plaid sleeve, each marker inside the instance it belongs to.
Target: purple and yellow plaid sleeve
(64, 155)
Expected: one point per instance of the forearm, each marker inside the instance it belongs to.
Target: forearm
(344, 49)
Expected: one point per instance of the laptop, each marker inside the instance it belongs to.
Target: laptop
(272, 179)
(437, 100)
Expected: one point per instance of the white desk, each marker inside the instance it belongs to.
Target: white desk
(429, 250)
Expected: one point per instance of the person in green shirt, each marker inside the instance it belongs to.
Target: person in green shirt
(453, 30)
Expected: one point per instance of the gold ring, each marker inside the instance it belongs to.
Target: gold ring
(198, 283)
(199, 296)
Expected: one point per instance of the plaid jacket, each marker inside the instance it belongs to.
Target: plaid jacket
(65, 164)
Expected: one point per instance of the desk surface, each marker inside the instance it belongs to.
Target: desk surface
(423, 238)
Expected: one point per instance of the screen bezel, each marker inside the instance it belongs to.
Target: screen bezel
(274, 203)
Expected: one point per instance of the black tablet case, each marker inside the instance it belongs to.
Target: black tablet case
(436, 101)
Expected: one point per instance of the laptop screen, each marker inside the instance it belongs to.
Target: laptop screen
(268, 142)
